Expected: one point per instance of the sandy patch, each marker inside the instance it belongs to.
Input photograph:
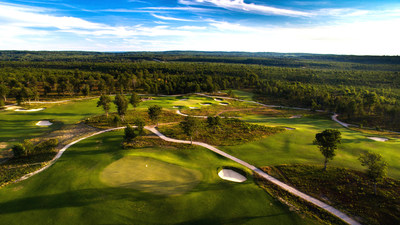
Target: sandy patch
(183, 99)
(3, 145)
(44, 123)
(193, 107)
(176, 107)
(289, 128)
(12, 107)
(205, 104)
(227, 174)
(224, 103)
(295, 117)
(29, 110)
(218, 99)
(378, 139)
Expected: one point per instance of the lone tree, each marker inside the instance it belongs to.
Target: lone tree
(189, 126)
(327, 142)
(154, 113)
(130, 133)
(376, 166)
(122, 105)
(135, 100)
(105, 103)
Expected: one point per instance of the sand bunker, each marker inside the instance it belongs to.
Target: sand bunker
(378, 139)
(290, 128)
(183, 99)
(193, 107)
(295, 117)
(224, 103)
(29, 110)
(227, 174)
(218, 99)
(205, 104)
(176, 107)
(44, 123)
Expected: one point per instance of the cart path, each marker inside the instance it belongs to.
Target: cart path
(273, 180)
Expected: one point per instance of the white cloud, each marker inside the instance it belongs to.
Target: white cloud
(170, 18)
(240, 5)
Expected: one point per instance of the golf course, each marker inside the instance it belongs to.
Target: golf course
(98, 181)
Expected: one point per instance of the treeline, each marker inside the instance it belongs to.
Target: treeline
(367, 97)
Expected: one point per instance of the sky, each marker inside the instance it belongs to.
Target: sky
(363, 27)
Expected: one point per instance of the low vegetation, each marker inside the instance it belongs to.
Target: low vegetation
(225, 132)
(346, 189)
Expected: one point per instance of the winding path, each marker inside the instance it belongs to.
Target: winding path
(275, 181)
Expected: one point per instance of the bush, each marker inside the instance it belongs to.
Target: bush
(130, 134)
(19, 150)
(46, 146)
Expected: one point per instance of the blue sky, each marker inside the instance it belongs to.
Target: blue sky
(312, 26)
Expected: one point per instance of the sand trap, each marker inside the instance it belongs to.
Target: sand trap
(295, 117)
(227, 174)
(224, 103)
(176, 107)
(44, 123)
(193, 107)
(378, 139)
(29, 110)
(218, 99)
(183, 99)
(289, 128)
(205, 104)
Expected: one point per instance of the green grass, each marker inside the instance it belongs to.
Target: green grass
(71, 192)
(150, 175)
(295, 146)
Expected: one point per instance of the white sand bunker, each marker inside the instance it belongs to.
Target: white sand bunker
(176, 107)
(29, 110)
(218, 99)
(44, 123)
(378, 139)
(224, 103)
(227, 174)
(290, 128)
(193, 107)
(205, 104)
(183, 99)
(295, 117)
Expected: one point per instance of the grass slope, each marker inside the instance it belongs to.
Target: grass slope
(295, 146)
(71, 192)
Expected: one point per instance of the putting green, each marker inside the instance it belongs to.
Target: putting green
(150, 175)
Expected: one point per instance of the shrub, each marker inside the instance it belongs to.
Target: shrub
(19, 150)
(46, 146)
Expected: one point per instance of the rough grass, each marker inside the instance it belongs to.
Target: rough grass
(347, 189)
(230, 132)
(150, 175)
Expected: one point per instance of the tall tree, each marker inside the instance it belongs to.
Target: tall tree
(3, 92)
(104, 102)
(135, 100)
(130, 133)
(122, 105)
(327, 142)
(377, 167)
(154, 112)
(189, 126)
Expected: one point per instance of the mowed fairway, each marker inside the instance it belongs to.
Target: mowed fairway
(72, 191)
(17, 126)
(296, 146)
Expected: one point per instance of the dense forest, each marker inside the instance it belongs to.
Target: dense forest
(365, 90)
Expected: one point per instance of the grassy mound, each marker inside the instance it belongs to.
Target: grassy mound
(150, 175)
